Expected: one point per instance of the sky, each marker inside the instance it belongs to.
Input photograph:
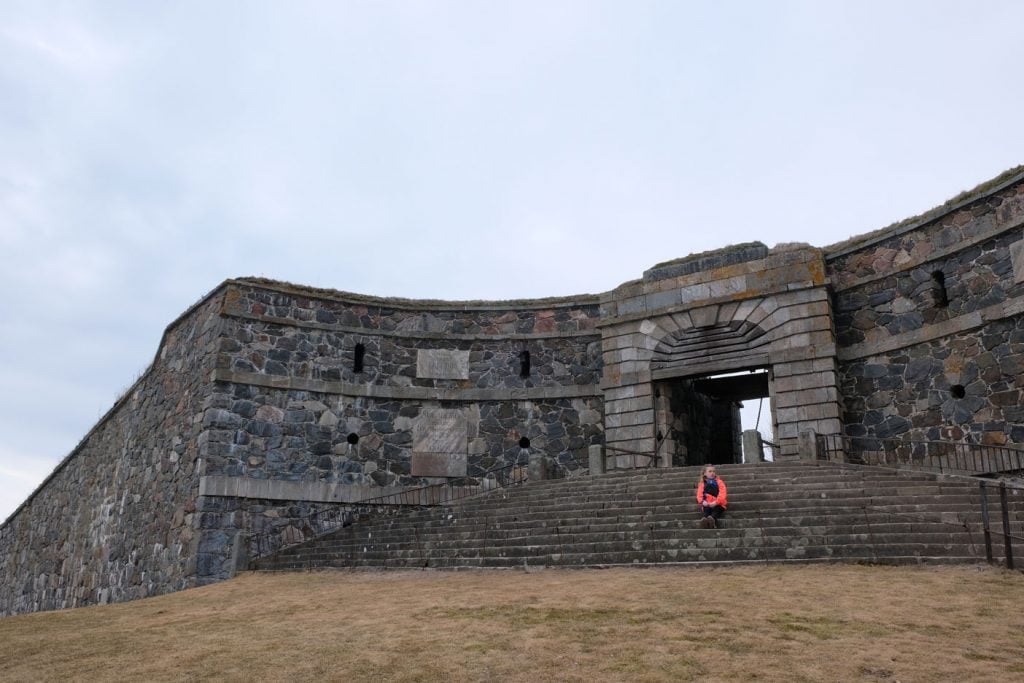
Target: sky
(453, 150)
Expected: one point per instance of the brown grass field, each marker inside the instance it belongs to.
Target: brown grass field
(767, 623)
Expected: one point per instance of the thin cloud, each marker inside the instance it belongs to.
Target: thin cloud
(447, 150)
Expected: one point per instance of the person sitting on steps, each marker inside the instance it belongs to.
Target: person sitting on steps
(711, 497)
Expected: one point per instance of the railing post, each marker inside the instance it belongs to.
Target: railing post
(1007, 542)
(753, 447)
(984, 522)
(538, 467)
(807, 445)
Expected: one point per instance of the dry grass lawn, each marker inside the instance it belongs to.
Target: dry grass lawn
(771, 623)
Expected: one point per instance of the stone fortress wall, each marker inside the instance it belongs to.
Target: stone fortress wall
(117, 519)
(442, 393)
(254, 414)
(928, 321)
(268, 401)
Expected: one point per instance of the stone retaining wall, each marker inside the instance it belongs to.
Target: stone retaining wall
(117, 518)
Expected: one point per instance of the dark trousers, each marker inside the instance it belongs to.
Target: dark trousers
(715, 512)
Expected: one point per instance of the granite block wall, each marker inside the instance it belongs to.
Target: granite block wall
(117, 519)
(267, 433)
(928, 320)
(296, 423)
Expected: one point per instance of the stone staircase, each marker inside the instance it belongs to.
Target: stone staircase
(778, 512)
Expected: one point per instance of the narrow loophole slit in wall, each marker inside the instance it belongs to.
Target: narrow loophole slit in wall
(357, 360)
(524, 364)
(939, 289)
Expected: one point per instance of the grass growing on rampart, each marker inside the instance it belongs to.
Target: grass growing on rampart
(771, 623)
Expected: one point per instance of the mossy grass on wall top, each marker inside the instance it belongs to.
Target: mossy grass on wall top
(707, 260)
(401, 302)
(1001, 181)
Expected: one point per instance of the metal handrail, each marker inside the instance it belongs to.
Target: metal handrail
(1008, 536)
(652, 457)
(321, 522)
(955, 457)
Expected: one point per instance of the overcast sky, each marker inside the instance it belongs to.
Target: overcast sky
(457, 150)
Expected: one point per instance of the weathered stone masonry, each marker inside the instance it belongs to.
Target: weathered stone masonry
(928, 318)
(265, 419)
(268, 401)
(117, 519)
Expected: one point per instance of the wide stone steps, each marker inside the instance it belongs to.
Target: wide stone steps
(672, 512)
(835, 529)
(777, 512)
(543, 555)
(738, 503)
(738, 491)
(606, 524)
(597, 544)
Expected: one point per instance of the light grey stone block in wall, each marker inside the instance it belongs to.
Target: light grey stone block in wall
(596, 453)
(442, 364)
(439, 464)
(727, 287)
(1017, 258)
(439, 430)
(663, 299)
(704, 317)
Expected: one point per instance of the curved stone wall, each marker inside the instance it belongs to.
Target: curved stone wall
(927, 317)
(442, 393)
(269, 401)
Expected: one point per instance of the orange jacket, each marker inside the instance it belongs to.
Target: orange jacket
(720, 499)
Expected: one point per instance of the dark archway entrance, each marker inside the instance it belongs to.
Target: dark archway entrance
(698, 418)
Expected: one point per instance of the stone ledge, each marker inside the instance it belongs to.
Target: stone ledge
(744, 360)
(812, 352)
(961, 323)
(708, 260)
(853, 244)
(638, 311)
(918, 262)
(323, 492)
(279, 489)
(405, 334)
(399, 303)
(405, 393)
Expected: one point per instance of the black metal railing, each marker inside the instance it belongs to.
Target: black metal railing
(566, 466)
(321, 522)
(647, 459)
(944, 457)
(1004, 509)
(874, 540)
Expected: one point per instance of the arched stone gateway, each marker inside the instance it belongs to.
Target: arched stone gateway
(745, 308)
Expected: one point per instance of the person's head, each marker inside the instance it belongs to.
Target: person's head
(708, 472)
